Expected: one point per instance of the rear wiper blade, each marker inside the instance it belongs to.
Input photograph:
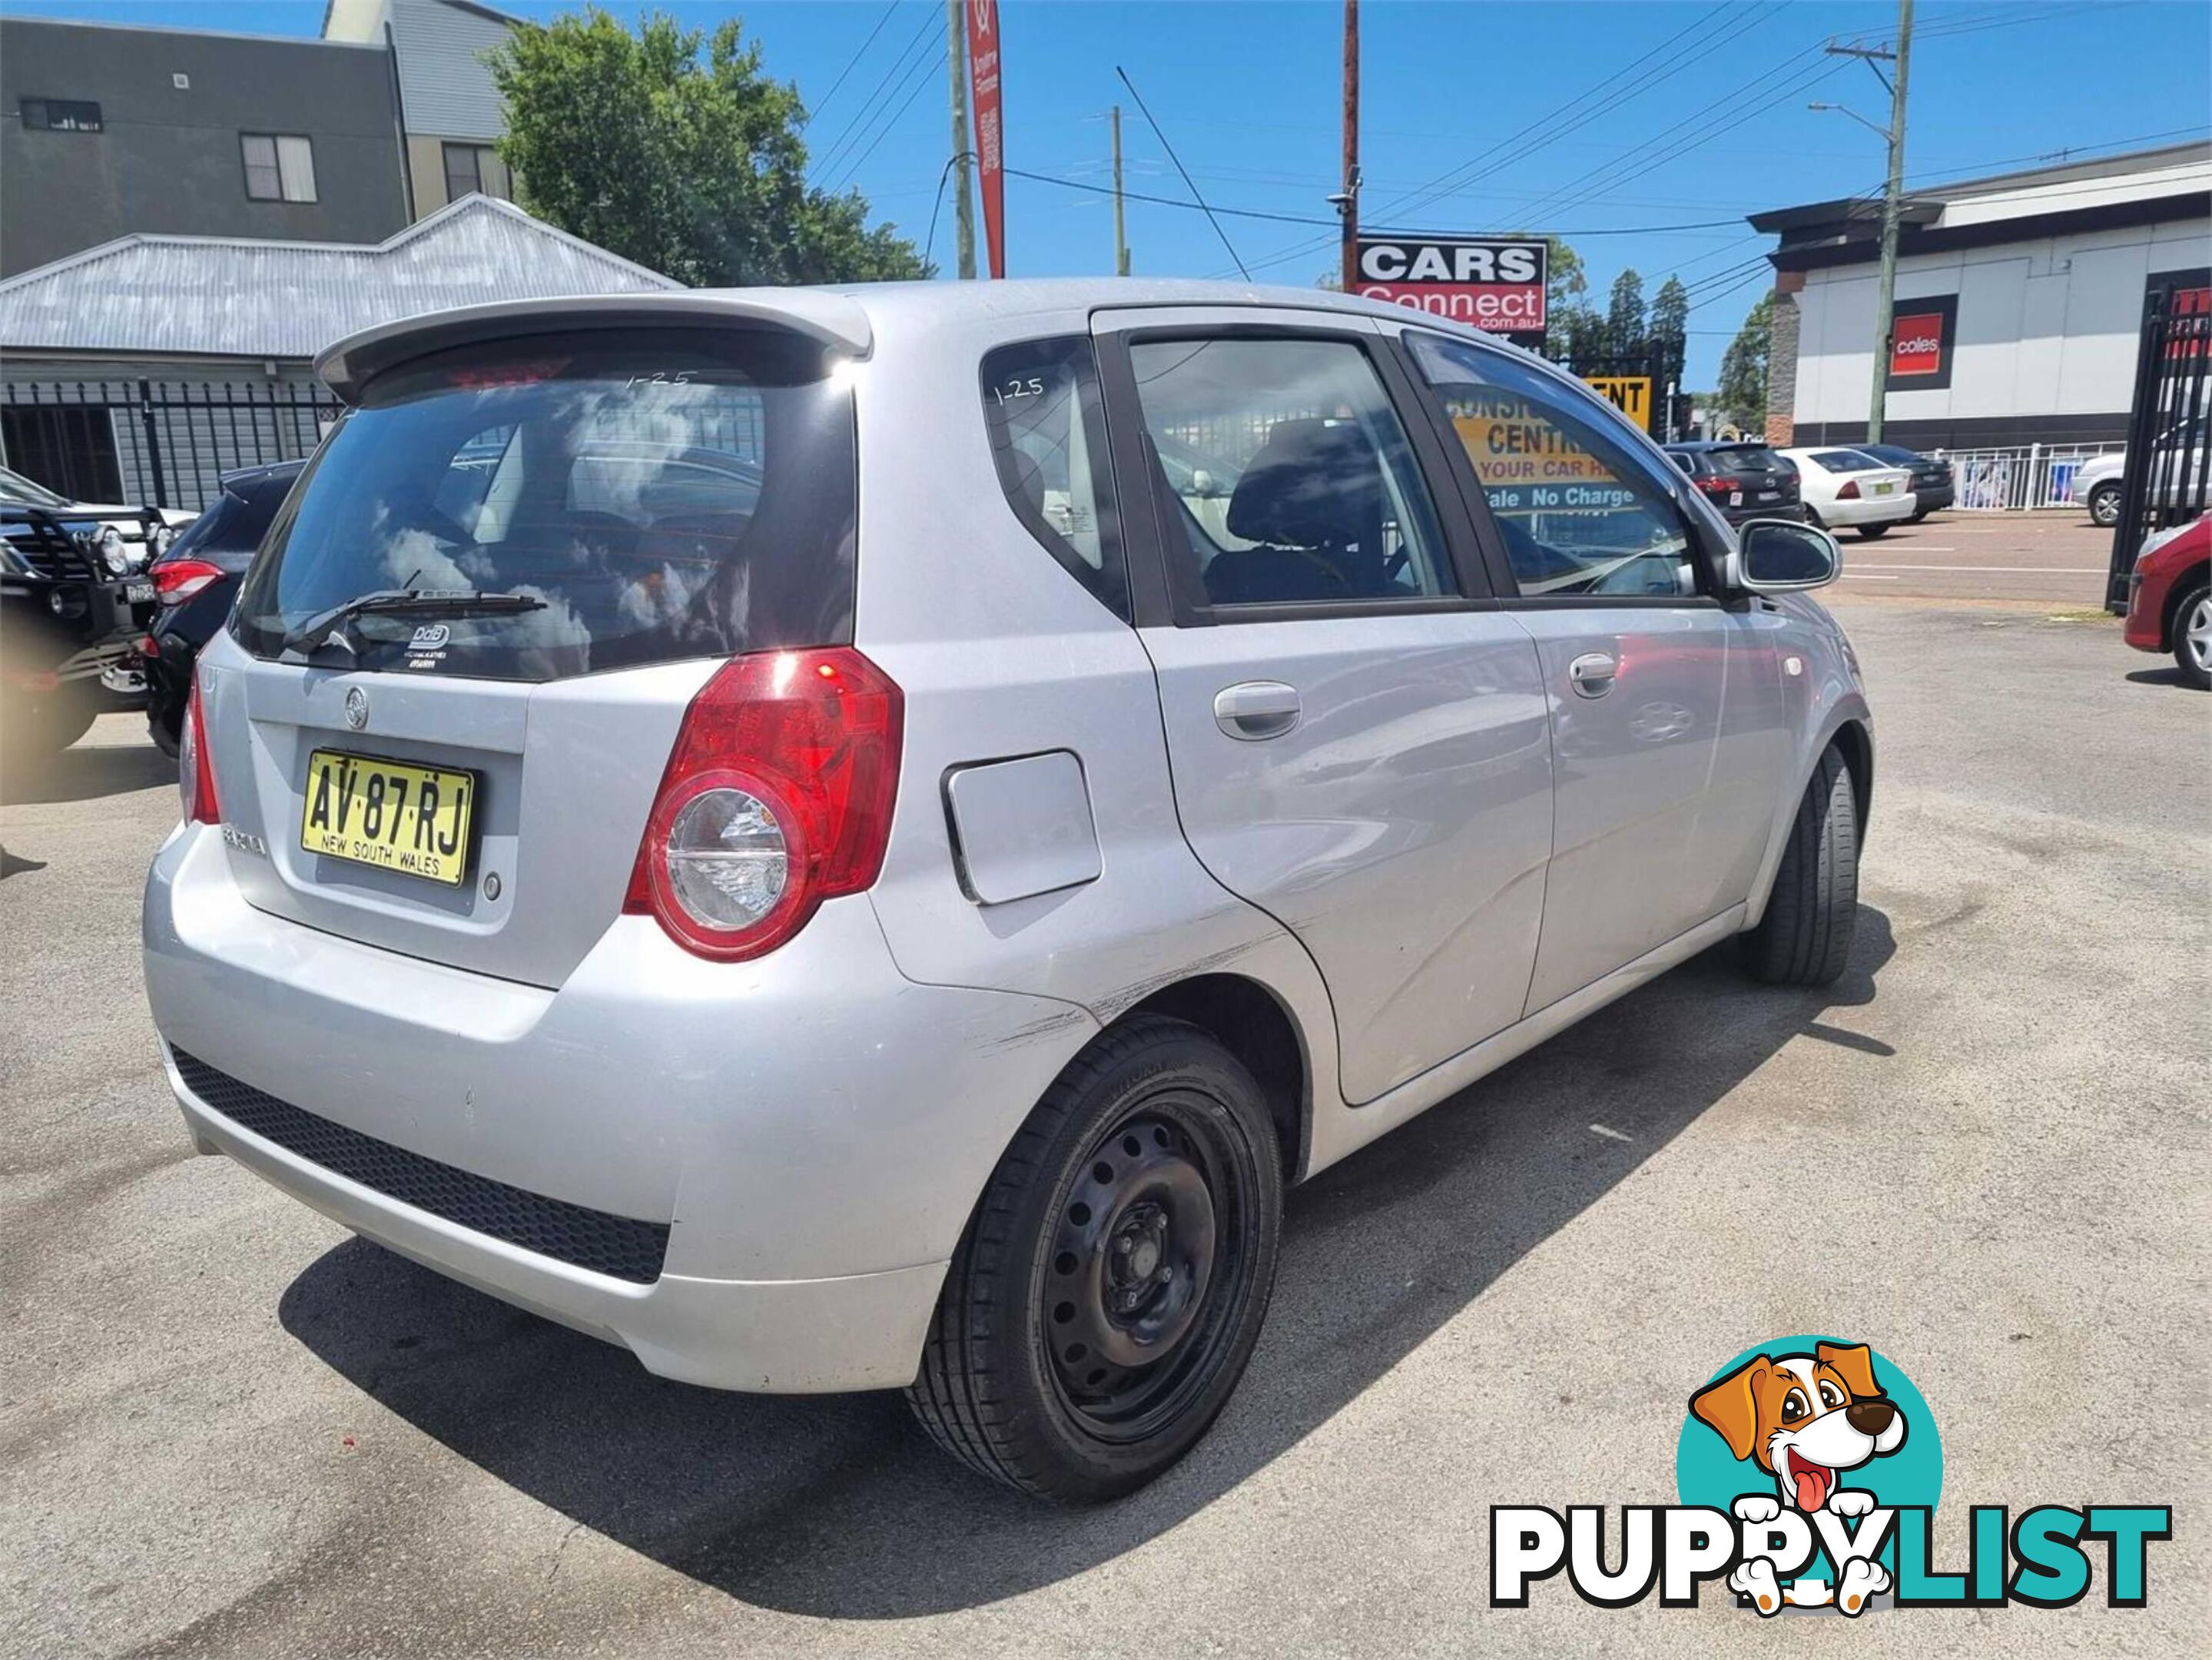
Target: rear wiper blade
(404, 602)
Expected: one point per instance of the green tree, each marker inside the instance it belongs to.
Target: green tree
(1567, 315)
(1624, 315)
(1670, 329)
(670, 148)
(1742, 394)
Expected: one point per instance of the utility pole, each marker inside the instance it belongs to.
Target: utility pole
(1121, 227)
(956, 56)
(1347, 203)
(1885, 304)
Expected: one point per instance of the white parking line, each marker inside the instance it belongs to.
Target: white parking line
(2004, 570)
(1868, 576)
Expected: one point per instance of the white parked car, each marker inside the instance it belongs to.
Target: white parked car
(2098, 483)
(1843, 487)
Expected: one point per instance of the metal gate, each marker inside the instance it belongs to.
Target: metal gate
(156, 443)
(2167, 477)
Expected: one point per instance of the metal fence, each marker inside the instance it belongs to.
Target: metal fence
(2168, 480)
(2018, 479)
(155, 443)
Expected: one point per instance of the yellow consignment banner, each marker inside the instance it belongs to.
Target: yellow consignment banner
(1630, 393)
(1511, 445)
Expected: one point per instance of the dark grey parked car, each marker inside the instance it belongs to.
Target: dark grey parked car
(1932, 487)
(1743, 479)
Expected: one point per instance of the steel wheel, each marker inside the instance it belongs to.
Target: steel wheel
(1109, 1287)
(1137, 1253)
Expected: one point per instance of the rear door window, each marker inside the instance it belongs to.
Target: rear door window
(663, 494)
(1289, 473)
(1750, 459)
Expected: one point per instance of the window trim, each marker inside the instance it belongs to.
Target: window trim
(1669, 482)
(476, 152)
(277, 159)
(1110, 582)
(45, 121)
(1169, 593)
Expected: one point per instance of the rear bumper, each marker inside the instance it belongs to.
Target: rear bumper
(783, 1336)
(1933, 499)
(1869, 510)
(812, 1129)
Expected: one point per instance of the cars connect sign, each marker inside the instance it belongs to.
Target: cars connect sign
(1494, 282)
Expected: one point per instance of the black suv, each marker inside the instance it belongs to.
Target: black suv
(1932, 489)
(75, 598)
(195, 582)
(1744, 479)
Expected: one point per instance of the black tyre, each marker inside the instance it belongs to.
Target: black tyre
(1872, 532)
(2193, 637)
(2105, 503)
(1805, 938)
(1107, 1293)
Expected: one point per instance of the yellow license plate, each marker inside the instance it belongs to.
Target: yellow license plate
(395, 816)
(1883, 489)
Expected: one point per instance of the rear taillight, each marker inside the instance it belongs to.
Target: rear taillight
(777, 796)
(1720, 486)
(176, 581)
(1849, 492)
(195, 770)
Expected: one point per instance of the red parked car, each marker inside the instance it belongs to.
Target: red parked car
(2170, 599)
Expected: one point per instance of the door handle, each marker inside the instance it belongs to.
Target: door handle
(1592, 674)
(1253, 709)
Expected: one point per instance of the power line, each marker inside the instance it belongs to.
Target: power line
(929, 68)
(1610, 175)
(951, 161)
(1177, 160)
(865, 114)
(1458, 176)
(1310, 219)
(1548, 129)
(855, 59)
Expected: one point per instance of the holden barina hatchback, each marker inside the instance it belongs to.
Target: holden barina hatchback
(848, 840)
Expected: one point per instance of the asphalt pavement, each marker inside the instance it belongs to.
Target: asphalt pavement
(2056, 557)
(227, 1428)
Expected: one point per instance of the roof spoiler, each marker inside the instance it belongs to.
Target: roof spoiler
(836, 321)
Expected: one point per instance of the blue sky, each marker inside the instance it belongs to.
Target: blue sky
(1629, 115)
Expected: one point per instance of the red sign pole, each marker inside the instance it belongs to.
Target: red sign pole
(990, 153)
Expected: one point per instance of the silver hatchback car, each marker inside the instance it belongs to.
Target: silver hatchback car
(861, 839)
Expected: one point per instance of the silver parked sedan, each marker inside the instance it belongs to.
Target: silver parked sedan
(841, 840)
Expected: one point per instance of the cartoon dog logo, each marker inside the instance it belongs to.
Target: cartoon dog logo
(1804, 1419)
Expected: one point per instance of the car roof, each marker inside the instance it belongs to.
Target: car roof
(1720, 444)
(847, 318)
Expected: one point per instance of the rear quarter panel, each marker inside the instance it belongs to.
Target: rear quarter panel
(1001, 655)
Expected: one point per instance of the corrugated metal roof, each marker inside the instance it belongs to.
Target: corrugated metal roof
(231, 297)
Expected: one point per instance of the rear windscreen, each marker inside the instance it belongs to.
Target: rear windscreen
(1751, 458)
(660, 495)
(1847, 461)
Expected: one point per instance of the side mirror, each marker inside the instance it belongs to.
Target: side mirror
(1779, 556)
